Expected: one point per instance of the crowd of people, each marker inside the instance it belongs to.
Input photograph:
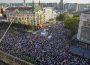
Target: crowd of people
(41, 49)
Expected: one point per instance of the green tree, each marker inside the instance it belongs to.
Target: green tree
(72, 25)
(60, 17)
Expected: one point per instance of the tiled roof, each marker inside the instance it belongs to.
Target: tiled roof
(19, 8)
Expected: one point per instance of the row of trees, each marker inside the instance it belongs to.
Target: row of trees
(71, 22)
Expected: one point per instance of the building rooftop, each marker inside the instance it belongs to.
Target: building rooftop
(19, 8)
(86, 11)
(36, 8)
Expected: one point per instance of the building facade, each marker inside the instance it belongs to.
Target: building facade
(71, 7)
(39, 15)
(39, 18)
(25, 15)
(49, 13)
(84, 27)
(22, 14)
(61, 6)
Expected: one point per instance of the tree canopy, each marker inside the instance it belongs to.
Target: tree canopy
(70, 22)
(60, 17)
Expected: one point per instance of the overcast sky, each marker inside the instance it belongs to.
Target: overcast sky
(68, 1)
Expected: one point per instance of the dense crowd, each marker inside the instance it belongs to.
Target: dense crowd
(51, 49)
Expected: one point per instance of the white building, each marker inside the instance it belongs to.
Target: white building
(49, 13)
(20, 14)
(84, 27)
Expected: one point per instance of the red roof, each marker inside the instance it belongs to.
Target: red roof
(19, 8)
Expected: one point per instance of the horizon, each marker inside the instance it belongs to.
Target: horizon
(46, 1)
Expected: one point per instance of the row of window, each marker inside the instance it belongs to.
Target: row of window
(86, 23)
(85, 33)
(25, 18)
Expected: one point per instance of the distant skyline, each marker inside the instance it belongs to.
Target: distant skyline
(45, 1)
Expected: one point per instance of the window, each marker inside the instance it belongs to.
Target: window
(87, 20)
(84, 16)
(85, 23)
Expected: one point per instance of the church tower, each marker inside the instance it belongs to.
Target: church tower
(24, 3)
(61, 5)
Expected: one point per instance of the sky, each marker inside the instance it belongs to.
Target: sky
(65, 1)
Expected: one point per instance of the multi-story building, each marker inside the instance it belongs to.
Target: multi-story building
(39, 15)
(22, 14)
(26, 15)
(49, 13)
(71, 7)
(61, 6)
(84, 27)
